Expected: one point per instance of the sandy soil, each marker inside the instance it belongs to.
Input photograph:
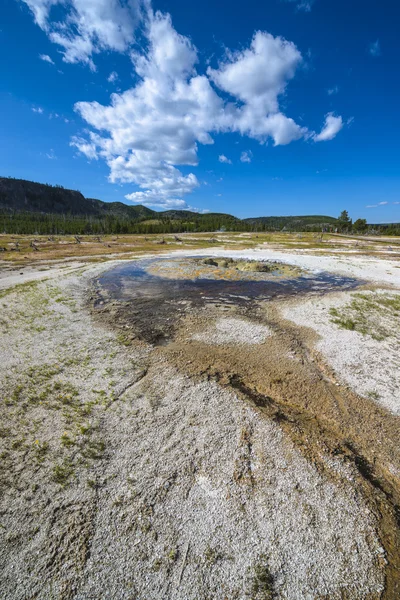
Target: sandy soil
(204, 468)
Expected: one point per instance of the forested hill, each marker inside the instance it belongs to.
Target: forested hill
(28, 207)
(29, 196)
(301, 223)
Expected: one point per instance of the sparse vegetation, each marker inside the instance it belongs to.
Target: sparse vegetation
(254, 266)
(212, 555)
(173, 554)
(55, 426)
(263, 582)
(373, 314)
(373, 395)
(62, 472)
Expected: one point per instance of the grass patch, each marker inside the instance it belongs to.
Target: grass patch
(40, 450)
(212, 555)
(20, 288)
(263, 582)
(373, 314)
(373, 395)
(124, 339)
(66, 441)
(62, 472)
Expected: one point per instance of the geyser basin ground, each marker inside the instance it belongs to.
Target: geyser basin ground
(157, 292)
(218, 451)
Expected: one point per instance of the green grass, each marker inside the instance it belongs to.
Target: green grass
(20, 288)
(211, 555)
(373, 395)
(373, 314)
(263, 582)
(40, 450)
(62, 472)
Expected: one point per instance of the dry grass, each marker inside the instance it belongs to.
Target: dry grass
(94, 248)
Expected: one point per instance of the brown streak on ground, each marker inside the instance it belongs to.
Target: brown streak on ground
(289, 382)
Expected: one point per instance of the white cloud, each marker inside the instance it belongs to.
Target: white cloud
(148, 132)
(246, 156)
(85, 147)
(396, 202)
(157, 124)
(256, 77)
(303, 4)
(382, 203)
(147, 199)
(38, 110)
(113, 76)
(331, 128)
(223, 159)
(371, 206)
(165, 189)
(88, 26)
(51, 155)
(375, 49)
(260, 73)
(333, 90)
(46, 58)
(41, 10)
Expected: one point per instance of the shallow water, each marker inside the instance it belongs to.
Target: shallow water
(151, 306)
(133, 281)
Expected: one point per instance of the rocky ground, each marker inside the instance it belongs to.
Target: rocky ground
(254, 455)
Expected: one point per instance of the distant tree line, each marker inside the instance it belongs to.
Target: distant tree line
(35, 223)
(346, 225)
(58, 224)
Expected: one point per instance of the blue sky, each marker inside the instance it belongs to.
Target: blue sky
(264, 108)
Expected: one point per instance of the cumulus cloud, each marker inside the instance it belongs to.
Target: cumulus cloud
(148, 199)
(246, 156)
(85, 147)
(256, 77)
(113, 76)
(46, 58)
(375, 49)
(224, 159)
(37, 109)
(331, 128)
(149, 132)
(88, 27)
(167, 188)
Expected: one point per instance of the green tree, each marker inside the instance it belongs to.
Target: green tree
(344, 221)
(360, 225)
